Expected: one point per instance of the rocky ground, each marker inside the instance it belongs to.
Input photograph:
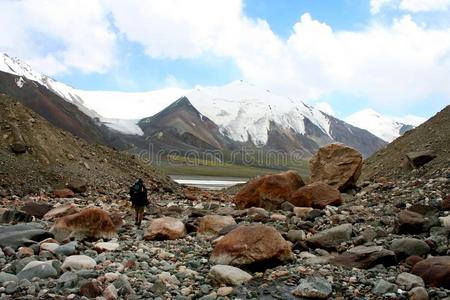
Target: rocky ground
(135, 268)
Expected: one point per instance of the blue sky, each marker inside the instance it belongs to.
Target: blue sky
(342, 55)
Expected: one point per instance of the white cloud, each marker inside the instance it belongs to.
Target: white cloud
(376, 5)
(397, 64)
(425, 5)
(410, 120)
(325, 107)
(56, 36)
(414, 6)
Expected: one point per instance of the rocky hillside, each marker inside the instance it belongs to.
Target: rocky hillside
(432, 138)
(389, 240)
(35, 156)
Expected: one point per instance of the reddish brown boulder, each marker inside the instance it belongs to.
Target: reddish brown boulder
(435, 271)
(337, 165)
(317, 195)
(63, 193)
(252, 244)
(89, 223)
(214, 223)
(268, 191)
(166, 228)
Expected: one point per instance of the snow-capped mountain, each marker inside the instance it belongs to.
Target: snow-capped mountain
(384, 127)
(16, 67)
(221, 117)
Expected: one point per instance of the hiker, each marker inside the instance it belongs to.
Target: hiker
(138, 197)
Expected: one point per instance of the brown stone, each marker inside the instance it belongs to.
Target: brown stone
(412, 260)
(89, 223)
(36, 209)
(61, 211)
(363, 257)
(166, 228)
(77, 186)
(435, 271)
(214, 223)
(446, 203)
(91, 289)
(63, 193)
(252, 244)
(337, 165)
(410, 222)
(268, 191)
(317, 195)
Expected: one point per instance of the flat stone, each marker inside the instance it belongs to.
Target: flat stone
(106, 246)
(408, 246)
(78, 262)
(407, 281)
(330, 238)
(383, 287)
(40, 269)
(229, 275)
(313, 287)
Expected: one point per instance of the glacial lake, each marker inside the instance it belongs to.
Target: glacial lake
(208, 182)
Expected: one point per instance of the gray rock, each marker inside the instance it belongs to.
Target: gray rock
(409, 246)
(11, 287)
(67, 249)
(40, 269)
(383, 287)
(4, 277)
(407, 281)
(228, 275)
(19, 235)
(418, 293)
(15, 216)
(68, 280)
(330, 238)
(313, 287)
(296, 235)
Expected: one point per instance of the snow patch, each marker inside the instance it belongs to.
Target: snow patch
(386, 128)
(123, 125)
(20, 82)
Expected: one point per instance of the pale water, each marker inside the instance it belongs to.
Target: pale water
(208, 182)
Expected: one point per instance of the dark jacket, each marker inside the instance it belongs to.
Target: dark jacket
(138, 195)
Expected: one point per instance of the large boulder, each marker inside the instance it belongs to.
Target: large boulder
(252, 244)
(19, 235)
(337, 165)
(166, 228)
(418, 159)
(214, 223)
(363, 257)
(332, 237)
(268, 191)
(435, 271)
(317, 195)
(89, 223)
